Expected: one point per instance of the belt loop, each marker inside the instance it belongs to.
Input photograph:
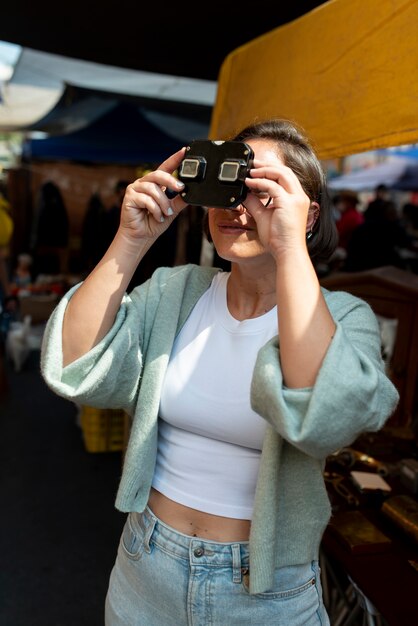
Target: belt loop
(236, 563)
(149, 525)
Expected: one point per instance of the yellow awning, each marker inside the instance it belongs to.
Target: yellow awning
(346, 72)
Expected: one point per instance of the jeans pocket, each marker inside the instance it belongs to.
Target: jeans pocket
(290, 582)
(132, 540)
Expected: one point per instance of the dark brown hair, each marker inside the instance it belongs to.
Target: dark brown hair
(295, 150)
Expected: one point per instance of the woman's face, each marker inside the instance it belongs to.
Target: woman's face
(234, 231)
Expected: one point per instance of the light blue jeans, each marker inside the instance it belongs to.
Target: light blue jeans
(164, 578)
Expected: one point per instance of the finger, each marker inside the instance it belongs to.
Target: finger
(173, 162)
(279, 173)
(158, 178)
(264, 186)
(143, 197)
(151, 195)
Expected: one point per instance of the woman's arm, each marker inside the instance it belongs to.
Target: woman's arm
(305, 324)
(306, 327)
(351, 395)
(145, 214)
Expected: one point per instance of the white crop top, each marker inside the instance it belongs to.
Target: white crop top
(210, 439)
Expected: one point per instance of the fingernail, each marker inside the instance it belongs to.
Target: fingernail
(170, 211)
(162, 218)
(179, 184)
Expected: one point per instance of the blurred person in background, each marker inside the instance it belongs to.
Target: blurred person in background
(381, 240)
(377, 204)
(22, 274)
(50, 229)
(346, 203)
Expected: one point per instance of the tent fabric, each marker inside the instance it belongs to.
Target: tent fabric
(72, 113)
(394, 171)
(41, 81)
(344, 72)
(23, 104)
(52, 70)
(122, 135)
(78, 108)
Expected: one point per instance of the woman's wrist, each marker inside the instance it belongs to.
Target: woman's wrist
(290, 252)
(130, 247)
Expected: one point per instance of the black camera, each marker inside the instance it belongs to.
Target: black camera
(214, 172)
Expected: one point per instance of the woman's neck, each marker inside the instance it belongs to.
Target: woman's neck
(250, 296)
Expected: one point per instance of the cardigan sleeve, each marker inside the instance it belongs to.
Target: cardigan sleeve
(141, 338)
(352, 393)
(108, 375)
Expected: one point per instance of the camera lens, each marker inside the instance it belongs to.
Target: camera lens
(229, 171)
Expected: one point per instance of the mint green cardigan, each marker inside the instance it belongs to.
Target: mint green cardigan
(126, 369)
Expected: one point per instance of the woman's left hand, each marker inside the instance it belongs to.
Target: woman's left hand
(281, 225)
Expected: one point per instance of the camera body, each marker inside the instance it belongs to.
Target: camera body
(214, 172)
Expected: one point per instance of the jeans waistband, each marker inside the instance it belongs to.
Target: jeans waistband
(196, 550)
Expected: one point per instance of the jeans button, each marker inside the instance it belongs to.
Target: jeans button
(198, 552)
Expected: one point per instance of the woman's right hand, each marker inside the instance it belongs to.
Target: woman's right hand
(92, 309)
(146, 210)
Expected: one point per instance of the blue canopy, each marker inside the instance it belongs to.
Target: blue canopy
(124, 135)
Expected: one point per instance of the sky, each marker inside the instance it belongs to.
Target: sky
(9, 54)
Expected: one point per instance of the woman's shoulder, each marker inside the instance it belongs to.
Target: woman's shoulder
(180, 277)
(341, 303)
(182, 273)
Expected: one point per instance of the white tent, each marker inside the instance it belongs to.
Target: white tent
(390, 173)
(40, 79)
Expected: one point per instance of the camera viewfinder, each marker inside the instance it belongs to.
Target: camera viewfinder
(193, 168)
(229, 171)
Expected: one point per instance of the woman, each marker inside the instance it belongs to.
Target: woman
(239, 385)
